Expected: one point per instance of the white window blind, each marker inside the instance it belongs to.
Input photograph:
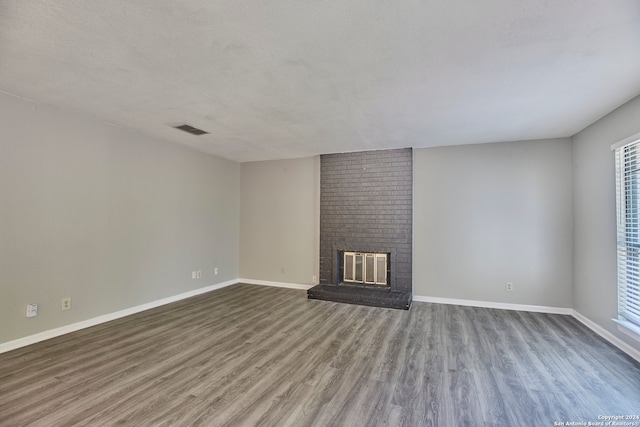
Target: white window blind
(628, 224)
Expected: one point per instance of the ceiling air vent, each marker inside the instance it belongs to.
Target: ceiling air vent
(188, 128)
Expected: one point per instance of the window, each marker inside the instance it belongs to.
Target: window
(627, 157)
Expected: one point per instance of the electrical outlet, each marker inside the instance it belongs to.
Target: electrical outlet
(313, 279)
(508, 286)
(199, 274)
(32, 310)
(215, 271)
(66, 303)
(282, 270)
(194, 274)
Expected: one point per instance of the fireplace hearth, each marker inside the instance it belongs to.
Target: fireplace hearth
(366, 228)
(360, 295)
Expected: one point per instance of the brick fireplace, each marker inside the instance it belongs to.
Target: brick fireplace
(366, 227)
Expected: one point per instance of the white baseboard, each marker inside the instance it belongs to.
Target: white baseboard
(499, 305)
(276, 284)
(607, 335)
(52, 333)
(631, 351)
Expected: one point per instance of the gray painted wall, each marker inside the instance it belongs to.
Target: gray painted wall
(115, 219)
(108, 217)
(493, 213)
(280, 220)
(595, 277)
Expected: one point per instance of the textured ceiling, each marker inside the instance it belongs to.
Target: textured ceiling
(294, 78)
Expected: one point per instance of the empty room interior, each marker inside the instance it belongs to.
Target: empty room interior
(410, 213)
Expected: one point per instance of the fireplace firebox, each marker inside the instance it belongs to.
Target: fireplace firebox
(365, 268)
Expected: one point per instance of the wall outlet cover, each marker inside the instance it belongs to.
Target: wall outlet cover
(32, 310)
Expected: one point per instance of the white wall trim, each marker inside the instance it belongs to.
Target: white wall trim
(628, 328)
(628, 349)
(498, 305)
(628, 140)
(276, 284)
(52, 333)
(607, 335)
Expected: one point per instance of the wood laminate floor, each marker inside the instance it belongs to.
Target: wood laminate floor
(252, 355)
